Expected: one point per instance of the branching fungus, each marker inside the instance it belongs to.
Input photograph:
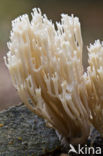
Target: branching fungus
(94, 84)
(45, 63)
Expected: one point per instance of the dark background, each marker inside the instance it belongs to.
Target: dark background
(90, 13)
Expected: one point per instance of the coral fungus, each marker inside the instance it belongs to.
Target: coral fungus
(94, 84)
(45, 63)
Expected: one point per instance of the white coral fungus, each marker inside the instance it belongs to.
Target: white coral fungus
(45, 63)
(94, 84)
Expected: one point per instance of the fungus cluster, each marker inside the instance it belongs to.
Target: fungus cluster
(45, 63)
(94, 84)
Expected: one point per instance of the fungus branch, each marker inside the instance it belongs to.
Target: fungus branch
(94, 84)
(46, 66)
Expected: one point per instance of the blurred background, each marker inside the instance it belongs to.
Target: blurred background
(90, 13)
